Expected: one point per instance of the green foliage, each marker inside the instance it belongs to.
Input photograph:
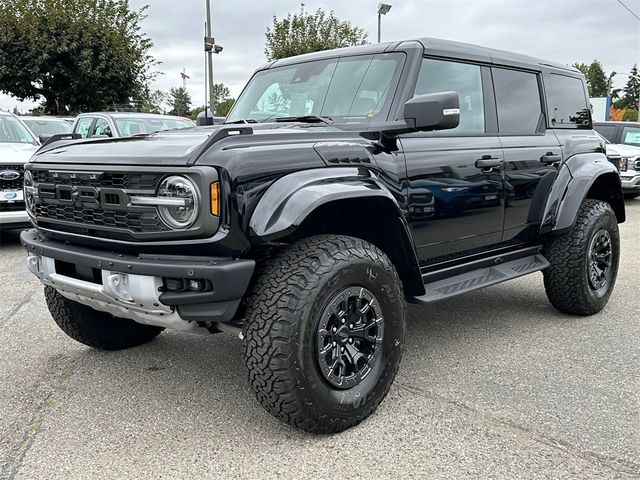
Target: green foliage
(153, 101)
(79, 55)
(220, 99)
(194, 113)
(180, 101)
(302, 32)
(224, 107)
(597, 80)
(631, 95)
(630, 115)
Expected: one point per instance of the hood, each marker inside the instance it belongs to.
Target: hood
(179, 147)
(16, 153)
(622, 150)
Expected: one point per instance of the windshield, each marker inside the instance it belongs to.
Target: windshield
(47, 127)
(13, 131)
(346, 89)
(631, 136)
(135, 126)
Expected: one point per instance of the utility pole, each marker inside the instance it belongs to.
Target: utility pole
(184, 78)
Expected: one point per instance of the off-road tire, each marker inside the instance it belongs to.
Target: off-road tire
(566, 280)
(282, 317)
(96, 329)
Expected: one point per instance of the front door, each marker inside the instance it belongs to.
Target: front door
(454, 177)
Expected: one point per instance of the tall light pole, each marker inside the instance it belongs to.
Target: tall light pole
(210, 48)
(383, 9)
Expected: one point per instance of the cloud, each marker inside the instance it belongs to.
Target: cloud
(564, 31)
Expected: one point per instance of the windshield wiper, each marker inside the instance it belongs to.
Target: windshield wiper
(248, 120)
(306, 119)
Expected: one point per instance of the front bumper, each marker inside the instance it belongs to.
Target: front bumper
(630, 181)
(131, 286)
(14, 219)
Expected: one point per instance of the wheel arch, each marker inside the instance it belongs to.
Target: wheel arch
(583, 176)
(341, 201)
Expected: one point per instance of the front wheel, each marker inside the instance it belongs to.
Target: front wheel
(324, 333)
(584, 261)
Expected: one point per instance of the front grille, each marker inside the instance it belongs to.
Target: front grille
(15, 184)
(121, 219)
(95, 203)
(637, 165)
(132, 181)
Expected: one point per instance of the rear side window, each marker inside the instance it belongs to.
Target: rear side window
(464, 79)
(517, 101)
(606, 131)
(568, 106)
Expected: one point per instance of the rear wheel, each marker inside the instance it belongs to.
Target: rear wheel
(324, 333)
(584, 261)
(96, 329)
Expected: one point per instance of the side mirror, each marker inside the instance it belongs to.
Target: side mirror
(433, 111)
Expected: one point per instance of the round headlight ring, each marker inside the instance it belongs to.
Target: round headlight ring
(179, 217)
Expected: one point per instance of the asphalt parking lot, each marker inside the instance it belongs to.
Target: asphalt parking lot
(494, 384)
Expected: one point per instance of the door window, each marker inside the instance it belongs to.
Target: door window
(517, 101)
(102, 128)
(567, 102)
(82, 126)
(464, 79)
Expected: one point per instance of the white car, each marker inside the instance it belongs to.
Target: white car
(627, 159)
(17, 144)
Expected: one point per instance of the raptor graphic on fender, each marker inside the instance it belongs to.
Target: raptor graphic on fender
(342, 185)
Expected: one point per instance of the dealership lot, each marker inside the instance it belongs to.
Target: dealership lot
(494, 384)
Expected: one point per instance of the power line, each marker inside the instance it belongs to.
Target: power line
(628, 9)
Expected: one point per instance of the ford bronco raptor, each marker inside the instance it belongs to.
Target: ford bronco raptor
(342, 184)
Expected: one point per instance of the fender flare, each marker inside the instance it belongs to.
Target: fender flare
(290, 199)
(293, 198)
(575, 180)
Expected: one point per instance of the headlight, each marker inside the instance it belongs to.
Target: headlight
(185, 195)
(29, 190)
(622, 164)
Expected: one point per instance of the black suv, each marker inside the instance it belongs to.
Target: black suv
(343, 184)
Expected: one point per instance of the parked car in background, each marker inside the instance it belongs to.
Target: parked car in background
(627, 133)
(626, 158)
(46, 127)
(17, 144)
(126, 124)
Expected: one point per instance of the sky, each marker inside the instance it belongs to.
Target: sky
(564, 31)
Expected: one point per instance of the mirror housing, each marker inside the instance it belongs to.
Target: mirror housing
(433, 111)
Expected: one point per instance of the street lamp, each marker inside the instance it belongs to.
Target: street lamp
(383, 9)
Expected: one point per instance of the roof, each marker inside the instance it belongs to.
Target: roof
(131, 114)
(39, 118)
(436, 47)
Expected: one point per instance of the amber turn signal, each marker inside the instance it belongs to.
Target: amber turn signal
(215, 203)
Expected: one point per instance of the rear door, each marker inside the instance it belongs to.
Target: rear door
(531, 152)
(455, 206)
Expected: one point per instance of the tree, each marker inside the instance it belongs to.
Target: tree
(596, 77)
(77, 55)
(310, 32)
(152, 101)
(220, 95)
(631, 95)
(180, 101)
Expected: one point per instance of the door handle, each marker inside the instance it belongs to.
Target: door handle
(550, 158)
(488, 162)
